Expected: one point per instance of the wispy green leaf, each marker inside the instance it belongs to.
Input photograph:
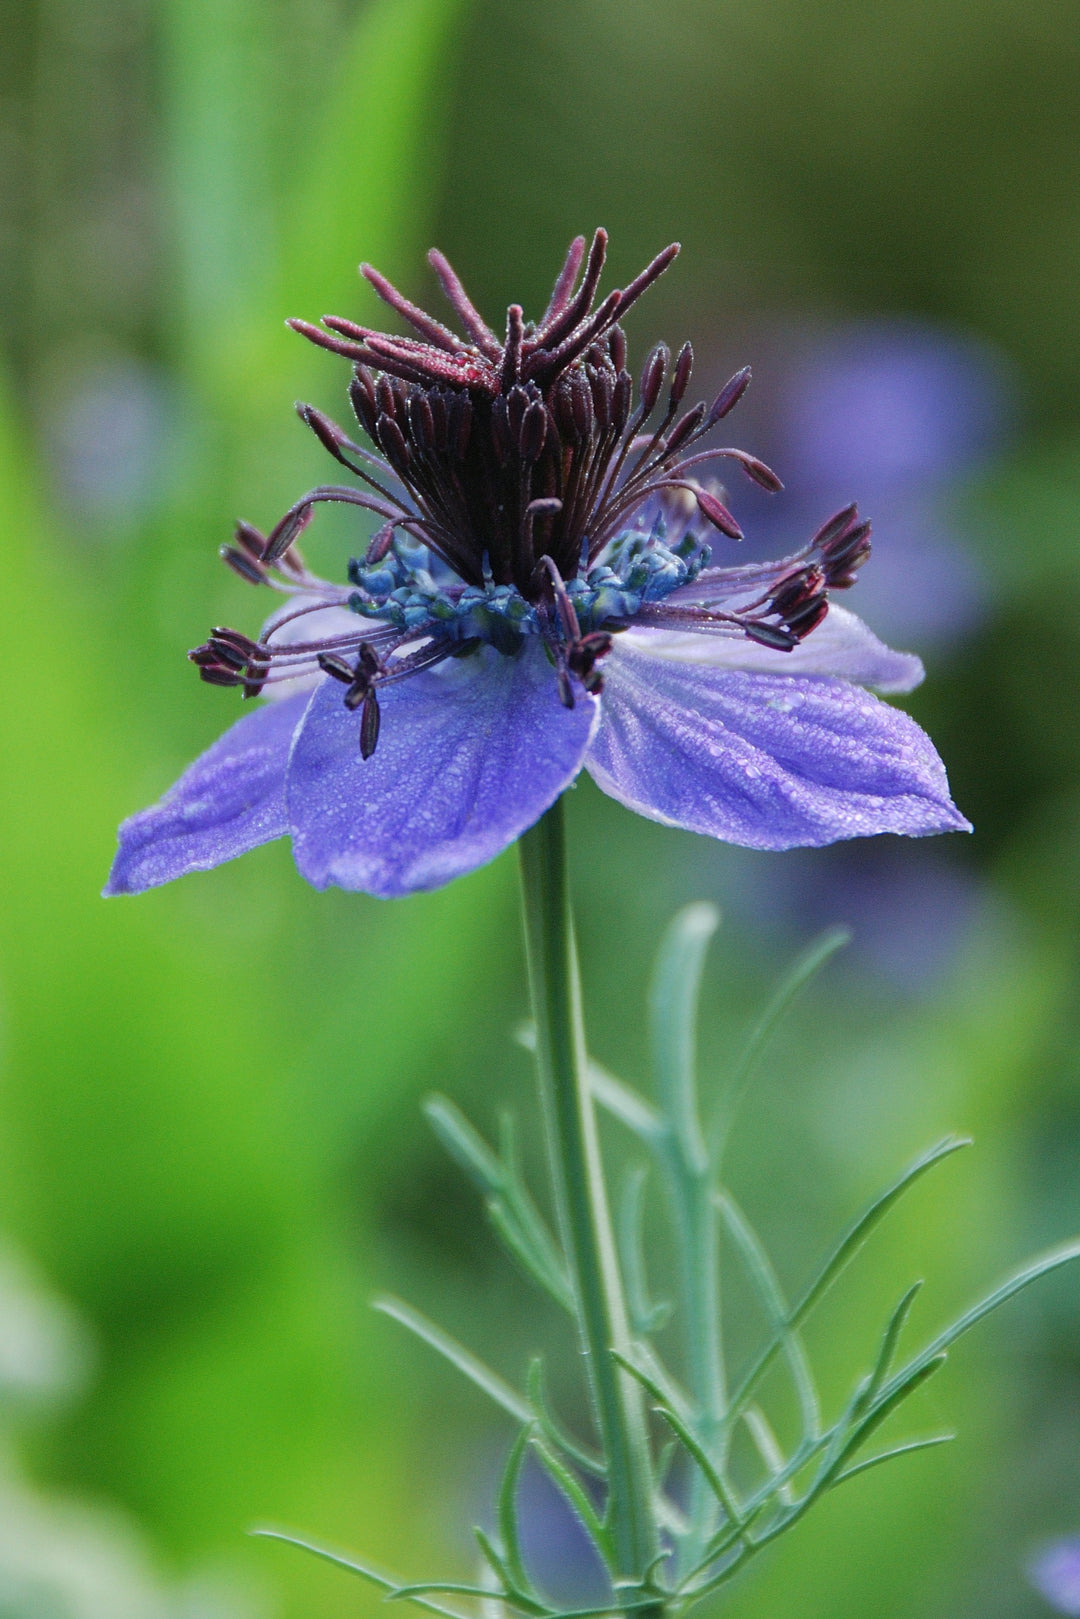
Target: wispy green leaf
(673, 1005)
(576, 1497)
(887, 1455)
(712, 1474)
(645, 1316)
(1050, 1261)
(466, 1362)
(553, 1430)
(645, 1365)
(841, 1256)
(761, 1273)
(508, 1513)
(803, 969)
(366, 1571)
(626, 1105)
(512, 1212)
(889, 1339)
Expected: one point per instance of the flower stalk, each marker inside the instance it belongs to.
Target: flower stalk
(580, 1194)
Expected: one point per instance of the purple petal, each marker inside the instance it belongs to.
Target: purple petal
(229, 801)
(768, 761)
(470, 754)
(841, 646)
(1055, 1572)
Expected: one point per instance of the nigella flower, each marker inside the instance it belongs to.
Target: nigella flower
(539, 598)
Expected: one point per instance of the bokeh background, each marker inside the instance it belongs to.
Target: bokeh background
(211, 1152)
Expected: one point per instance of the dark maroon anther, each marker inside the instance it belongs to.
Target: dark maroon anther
(392, 442)
(533, 432)
(250, 539)
(602, 386)
(501, 440)
(652, 377)
(622, 401)
(459, 430)
(216, 674)
(330, 664)
(762, 475)
(385, 398)
(369, 724)
(440, 419)
(684, 365)
(581, 404)
(582, 655)
(617, 347)
(717, 514)
(808, 617)
(795, 590)
(683, 430)
(241, 563)
(563, 407)
(833, 527)
(729, 396)
(771, 635)
(652, 272)
(849, 543)
(379, 547)
(285, 533)
(362, 398)
(518, 401)
(236, 639)
(328, 433)
(421, 422)
(368, 661)
(362, 676)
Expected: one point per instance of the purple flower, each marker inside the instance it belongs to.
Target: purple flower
(1055, 1572)
(538, 600)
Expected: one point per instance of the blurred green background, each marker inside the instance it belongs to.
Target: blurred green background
(210, 1144)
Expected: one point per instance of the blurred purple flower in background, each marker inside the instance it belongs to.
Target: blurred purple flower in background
(903, 412)
(1055, 1573)
(115, 437)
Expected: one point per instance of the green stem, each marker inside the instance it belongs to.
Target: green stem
(580, 1194)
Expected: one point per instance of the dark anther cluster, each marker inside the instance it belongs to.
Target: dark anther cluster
(519, 447)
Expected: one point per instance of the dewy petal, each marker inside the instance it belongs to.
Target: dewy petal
(229, 801)
(767, 761)
(841, 646)
(470, 754)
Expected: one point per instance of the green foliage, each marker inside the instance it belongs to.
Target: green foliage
(737, 1507)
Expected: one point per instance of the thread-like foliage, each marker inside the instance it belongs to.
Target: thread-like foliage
(725, 1521)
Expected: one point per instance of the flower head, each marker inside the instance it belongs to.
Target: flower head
(540, 595)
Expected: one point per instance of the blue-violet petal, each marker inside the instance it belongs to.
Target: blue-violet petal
(229, 801)
(767, 761)
(470, 754)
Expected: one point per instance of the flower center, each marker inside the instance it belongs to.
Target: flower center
(521, 494)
